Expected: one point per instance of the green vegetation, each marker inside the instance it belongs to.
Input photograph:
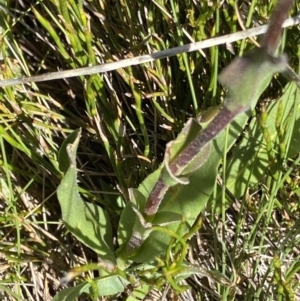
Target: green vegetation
(73, 149)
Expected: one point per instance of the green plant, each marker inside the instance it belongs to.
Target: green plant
(244, 182)
(157, 220)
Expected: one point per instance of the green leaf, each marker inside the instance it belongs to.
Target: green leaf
(107, 286)
(129, 219)
(87, 221)
(251, 74)
(249, 162)
(63, 157)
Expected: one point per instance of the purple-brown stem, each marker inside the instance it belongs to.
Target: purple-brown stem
(223, 118)
(272, 37)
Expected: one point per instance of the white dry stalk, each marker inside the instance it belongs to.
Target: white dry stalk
(148, 57)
